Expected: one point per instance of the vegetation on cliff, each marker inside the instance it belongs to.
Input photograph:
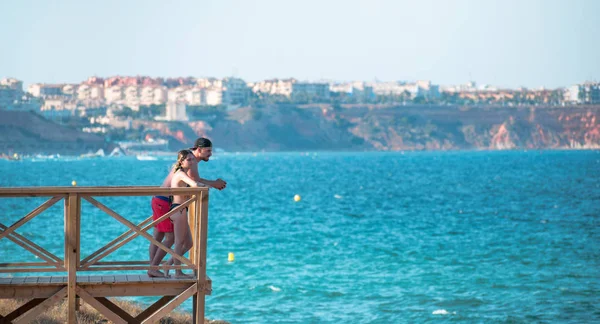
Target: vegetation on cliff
(287, 127)
(416, 127)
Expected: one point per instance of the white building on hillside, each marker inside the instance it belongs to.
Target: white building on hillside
(177, 94)
(12, 97)
(356, 89)
(45, 90)
(315, 92)
(235, 91)
(212, 96)
(12, 83)
(210, 83)
(114, 94)
(193, 96)
(274, 87)
(422, 88)
(586, 93)
(132, 97)
(153, 95)
(90, 92)
(176, 111)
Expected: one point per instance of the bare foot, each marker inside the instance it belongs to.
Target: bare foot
(155, 273)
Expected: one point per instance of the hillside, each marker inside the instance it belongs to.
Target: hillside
(434, 128)
(323, 127)
(30, 133)
(289, 128)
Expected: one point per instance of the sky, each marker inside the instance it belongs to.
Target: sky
(504, 43)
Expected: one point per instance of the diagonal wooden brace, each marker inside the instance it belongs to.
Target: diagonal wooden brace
(137, 231)
(30, 216)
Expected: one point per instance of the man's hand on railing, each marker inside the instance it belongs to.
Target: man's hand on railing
(219, 184)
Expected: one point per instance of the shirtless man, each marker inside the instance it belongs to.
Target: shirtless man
(202, 151)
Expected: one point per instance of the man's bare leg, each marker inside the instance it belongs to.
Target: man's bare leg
(153, 248)
(160, 254)
(153, 251)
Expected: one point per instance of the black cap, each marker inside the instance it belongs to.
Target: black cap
(201, 142)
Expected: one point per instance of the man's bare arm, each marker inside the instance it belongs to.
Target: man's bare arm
(217, 184)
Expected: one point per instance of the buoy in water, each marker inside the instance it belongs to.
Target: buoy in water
(297, 198)
(73, 183)
(230, 257)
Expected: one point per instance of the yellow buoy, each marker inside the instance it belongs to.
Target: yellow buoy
(297, 198)
(230, 257)
(73, 183)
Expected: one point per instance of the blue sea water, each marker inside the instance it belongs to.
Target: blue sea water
(474, 237)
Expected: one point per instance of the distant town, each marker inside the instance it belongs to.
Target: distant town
(140, 93)
(108, 106)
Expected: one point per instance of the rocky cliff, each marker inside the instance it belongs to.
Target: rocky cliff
(324, 127)
(432, 128)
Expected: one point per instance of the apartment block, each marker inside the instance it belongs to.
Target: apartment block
(212, 96)
(114, 94)
(193, 96)
(587, 93)
(273, 87)
(235, 91)
(310, 91)
(153, 95)
(45, 90)
(176, 111)
(356, 89)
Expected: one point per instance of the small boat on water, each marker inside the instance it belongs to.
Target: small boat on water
(146, 158)
(14, 157)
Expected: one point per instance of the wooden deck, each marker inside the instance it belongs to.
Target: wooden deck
(98, 286)
(81, 281)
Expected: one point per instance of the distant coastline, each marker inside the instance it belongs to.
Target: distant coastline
(321, 128)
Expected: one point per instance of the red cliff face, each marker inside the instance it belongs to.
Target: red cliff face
(288, 127)
(442, 128)
(502, 139)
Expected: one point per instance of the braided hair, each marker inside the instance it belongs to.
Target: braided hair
(181, 156)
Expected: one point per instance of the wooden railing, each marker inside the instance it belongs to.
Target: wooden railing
(47, 291)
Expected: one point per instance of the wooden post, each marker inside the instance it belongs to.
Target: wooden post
(201, 240)
(192, 219)
(78, 245)
(72, 249)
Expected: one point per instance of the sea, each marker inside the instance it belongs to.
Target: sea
(376, 237)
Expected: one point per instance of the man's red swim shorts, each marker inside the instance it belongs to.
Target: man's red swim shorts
(160, 206)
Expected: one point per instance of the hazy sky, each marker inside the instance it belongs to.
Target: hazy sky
(505, 43)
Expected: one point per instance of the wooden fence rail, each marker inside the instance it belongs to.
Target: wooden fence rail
(73, 279)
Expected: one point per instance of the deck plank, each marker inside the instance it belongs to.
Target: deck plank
(5, 281)
(58, 279)
(134, 278)
(95, 279)
(120, 278)
(108, 279)
(44, 280)
(31, 279)
(17, 280)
